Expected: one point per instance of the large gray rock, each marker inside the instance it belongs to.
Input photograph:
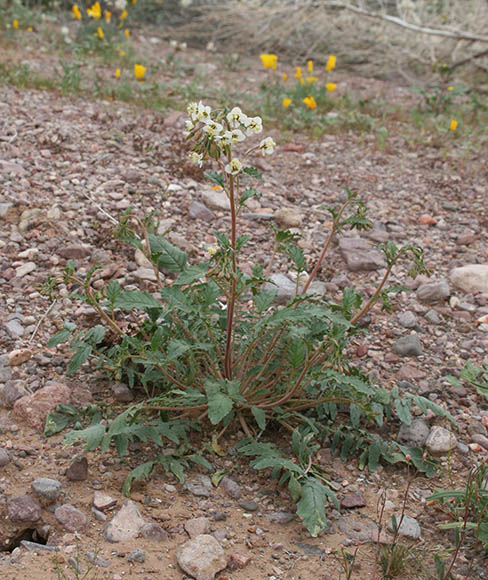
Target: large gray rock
(215, 199)
(288, 218)
(285, 287)
(231, 487)
(471, 278)
(440, 441)
(434, 291)
(408, 346)
(46, 488)
(201, 486)
(202, 557)
(359, 254)
(198, 211)
(125, 525)
(409, 527)
(414, 435)
(4, 457)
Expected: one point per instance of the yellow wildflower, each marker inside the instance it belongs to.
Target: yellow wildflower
(139, 71)
(15, 24)
(95, 11)
(285, 76)
(312, 80)
(100, 33)
(134, 1)
(331, 87)
(76, 11)
(122, 53)
(108, 16)
(331, 62)
(302, 81)
(298, 74)
(123, 15)
(310, 66)
(451, 88)
(127, 33)
(286, 103)
(30, 29)
(310, 102)
(117, 73)
(269, 60)
(453, 125)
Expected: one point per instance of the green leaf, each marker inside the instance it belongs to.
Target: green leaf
(113, 289)
(248, 194)
(82, 352)
(253, 172)
(95, 335)
(199, 460)
(374, 456)
(131, 299)
(295, 488)
(56, 422)
(62, 335)
(191, 274)
(215, 177)
(92, 436)
(167, 256)
(177, 299)
(264, 299)
(260, 416)
(143, 470)
(311, 507)
(177, 348)
(296, 353)
(121, 442)
(219, 404)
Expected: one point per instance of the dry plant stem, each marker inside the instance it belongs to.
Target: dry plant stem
(370, 303)
(325, 248)
(232, 297)
(380, 528)
(94, 304)
(399, 523)
(41, 320)
(465, 521)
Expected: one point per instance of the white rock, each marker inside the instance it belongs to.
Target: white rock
(202, 557)
(440, 441)
(125, 525)
(25, 269)
(471, 278)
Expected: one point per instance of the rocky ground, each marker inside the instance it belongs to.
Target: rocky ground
(68, 167)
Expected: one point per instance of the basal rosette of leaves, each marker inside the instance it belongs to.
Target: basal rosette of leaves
(211, 349)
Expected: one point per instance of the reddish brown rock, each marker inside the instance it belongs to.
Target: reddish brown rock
(353, 500)
(23, 508)
(33, 409)
(71, 518)
(238, 561)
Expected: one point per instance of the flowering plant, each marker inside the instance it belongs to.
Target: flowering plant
(213, 347)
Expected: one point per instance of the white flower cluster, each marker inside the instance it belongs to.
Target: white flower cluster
(235, 128)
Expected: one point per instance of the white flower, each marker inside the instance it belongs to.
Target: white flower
(173, 44)
(234, 136)
(121, 4)
(213, 129)
(267, 146)
(196, 158)
(192, 111)
(213, 249)
(189, 126)
(203, 113)
(234, 167)
(236, 117)
(64, 30)
(253, 125)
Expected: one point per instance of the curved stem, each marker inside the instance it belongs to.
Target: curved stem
(373, 298)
